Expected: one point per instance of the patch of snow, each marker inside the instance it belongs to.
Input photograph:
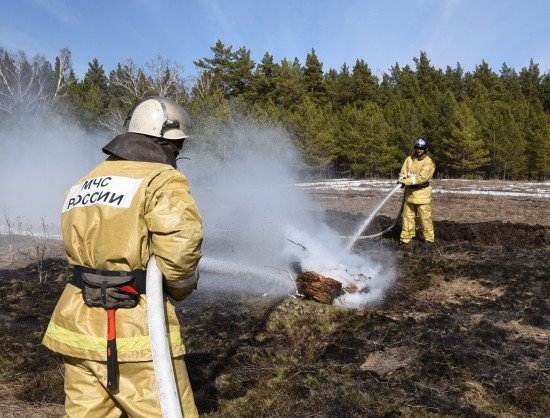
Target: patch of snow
(493, 193)
(458, 186)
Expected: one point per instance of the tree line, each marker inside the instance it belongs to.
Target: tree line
(344, 122)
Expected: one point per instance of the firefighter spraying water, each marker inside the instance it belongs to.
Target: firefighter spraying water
(133, 205)
(415, 176)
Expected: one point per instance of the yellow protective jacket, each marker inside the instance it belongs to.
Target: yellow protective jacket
(417, 171)
(115, 218)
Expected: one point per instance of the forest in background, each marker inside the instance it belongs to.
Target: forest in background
(344, 122)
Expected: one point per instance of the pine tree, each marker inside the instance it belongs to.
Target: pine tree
(464, 150)
(230, 71)
(425, 74)
(264, 81)
(363, 83)
(530, 82)
(96, 75)
(545, 91)
(506, 142)
(313, 78)
(536, 127)
(331, 85)
(340, 90)
(314, 132)
(404, 125)
(541, 139)
(363, 142)
(404, 81)
(509, 77)
(96, 98)
(289, 84)
(489, 80)
(455, 80)
(240, 76)
(220, 66)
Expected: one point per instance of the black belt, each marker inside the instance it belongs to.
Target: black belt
(133, 282)
(419, 186)
(138, 275)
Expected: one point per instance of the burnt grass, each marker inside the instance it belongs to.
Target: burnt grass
(469, 317)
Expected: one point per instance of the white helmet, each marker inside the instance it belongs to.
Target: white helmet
(159, 117)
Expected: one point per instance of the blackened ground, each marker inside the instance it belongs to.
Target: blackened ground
(497, 233)
(464, 332)
(30, 375)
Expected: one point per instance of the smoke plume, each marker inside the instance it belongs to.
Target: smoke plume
(255, 217)
(242, 177)
(41, 156)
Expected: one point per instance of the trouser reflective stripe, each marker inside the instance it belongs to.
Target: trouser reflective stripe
(89, 342)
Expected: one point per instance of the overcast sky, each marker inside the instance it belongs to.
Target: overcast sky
(381, 32)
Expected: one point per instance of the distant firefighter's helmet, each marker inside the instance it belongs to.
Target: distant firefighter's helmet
(159, 117)
(421, 143)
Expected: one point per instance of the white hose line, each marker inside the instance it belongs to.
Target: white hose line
(388, 229)
(160, 348)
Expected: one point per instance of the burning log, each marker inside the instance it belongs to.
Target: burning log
(317, 287)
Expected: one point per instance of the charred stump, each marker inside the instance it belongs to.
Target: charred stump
(317, 287)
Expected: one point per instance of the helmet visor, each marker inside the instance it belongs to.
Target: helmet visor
(173, 130)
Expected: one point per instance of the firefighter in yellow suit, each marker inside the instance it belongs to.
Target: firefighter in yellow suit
(415, 175)
(134, 204)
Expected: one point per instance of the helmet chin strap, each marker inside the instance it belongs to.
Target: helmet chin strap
(171, 148)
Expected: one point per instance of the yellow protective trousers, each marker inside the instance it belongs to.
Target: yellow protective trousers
(87, 397)
(424, 213)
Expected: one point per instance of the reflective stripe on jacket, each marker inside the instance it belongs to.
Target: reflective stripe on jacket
(114, 219)
(417, 171)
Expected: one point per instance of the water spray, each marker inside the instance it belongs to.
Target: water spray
(219, 266)
(369, 219)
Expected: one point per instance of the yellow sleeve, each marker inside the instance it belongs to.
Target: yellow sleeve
(404, 171)
(175, 227)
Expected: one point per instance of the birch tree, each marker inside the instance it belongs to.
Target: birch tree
(22, 83)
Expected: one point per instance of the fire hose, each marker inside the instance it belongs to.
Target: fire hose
(160, 348)
(357, 236)
(389, 228)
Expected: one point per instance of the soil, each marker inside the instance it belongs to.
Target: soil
(498, 233)
(464, 332)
